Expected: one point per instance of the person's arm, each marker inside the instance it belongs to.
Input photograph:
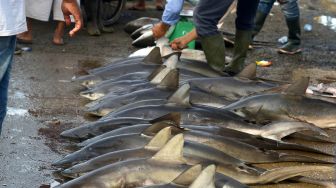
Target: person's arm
(70, 7)
(182, 42)
(171, 15)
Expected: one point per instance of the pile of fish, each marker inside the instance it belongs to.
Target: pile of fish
(171, 122)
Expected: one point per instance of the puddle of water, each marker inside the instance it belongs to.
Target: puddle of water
(16, 111)
(327, 21)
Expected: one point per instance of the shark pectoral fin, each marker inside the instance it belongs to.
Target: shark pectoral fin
(279, 130)
(171, 81)
(250, 72)
(181, 96)
(159, 140)
(188, 176)
(154, 57)
(299, 87)
(158, 126)
(156, 72)
(174, 117)
(172, 152)
(279, 174)
(206, 179)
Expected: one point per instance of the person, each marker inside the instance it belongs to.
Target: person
(12, 22)
(94, 22)
(291, 11)
(40, 10)
(141, 5)
(206, 16)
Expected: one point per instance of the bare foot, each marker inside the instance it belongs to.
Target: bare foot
(26, 37)
(93, 29)
(59, 33)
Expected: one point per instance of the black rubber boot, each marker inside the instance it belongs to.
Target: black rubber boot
(259, 23)
(214, 50)
(294, 40)
(242, 42)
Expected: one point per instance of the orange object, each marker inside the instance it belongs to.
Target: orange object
(264, 63)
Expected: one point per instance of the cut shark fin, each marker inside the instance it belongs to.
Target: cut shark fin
(299, 87)
(174, 117)
(206, 179)
(279, 174)
(165, 77)
(154, 57)
(278, 130)
(158, 126)
(172, 152)
(181, 96)
(250, 72)
(159, 140)
(171, 81)
(188, 176)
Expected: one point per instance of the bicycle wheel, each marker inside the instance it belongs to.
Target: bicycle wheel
(110, 11)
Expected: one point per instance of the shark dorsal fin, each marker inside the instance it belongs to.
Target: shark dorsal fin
(250, 72)
(159, 140)
(181, 96)
(188, 176)
(171, 81)
(206, 178)
(299, 87)
(174, 117)
(172, 152)
(158, 126)
(154, 57)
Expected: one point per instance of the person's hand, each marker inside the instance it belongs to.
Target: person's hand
(179, 43)
(70, 7)
(159, 30)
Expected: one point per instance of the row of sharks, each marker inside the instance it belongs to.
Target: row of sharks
(168, 121)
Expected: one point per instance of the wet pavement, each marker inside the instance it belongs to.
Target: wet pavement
(43, 101)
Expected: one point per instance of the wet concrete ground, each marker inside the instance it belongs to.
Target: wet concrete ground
(43, 101)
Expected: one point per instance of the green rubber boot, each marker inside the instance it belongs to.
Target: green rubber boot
(214, 50)
(294, 40)
(259, 23)
(242, 42)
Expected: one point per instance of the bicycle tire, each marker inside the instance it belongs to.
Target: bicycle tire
(110, 14)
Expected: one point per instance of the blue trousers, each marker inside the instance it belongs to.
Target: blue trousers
(209, 12)
(290, 8)
(7, 48)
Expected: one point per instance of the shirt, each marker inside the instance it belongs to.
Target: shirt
(171, 13)
(12, 17)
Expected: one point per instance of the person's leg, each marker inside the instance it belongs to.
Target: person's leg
(91, 7)
(26, 37)
(264, 8)
(7, 47)
(246, 11)
(292, 14)
(206, 16)
(59, 33)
